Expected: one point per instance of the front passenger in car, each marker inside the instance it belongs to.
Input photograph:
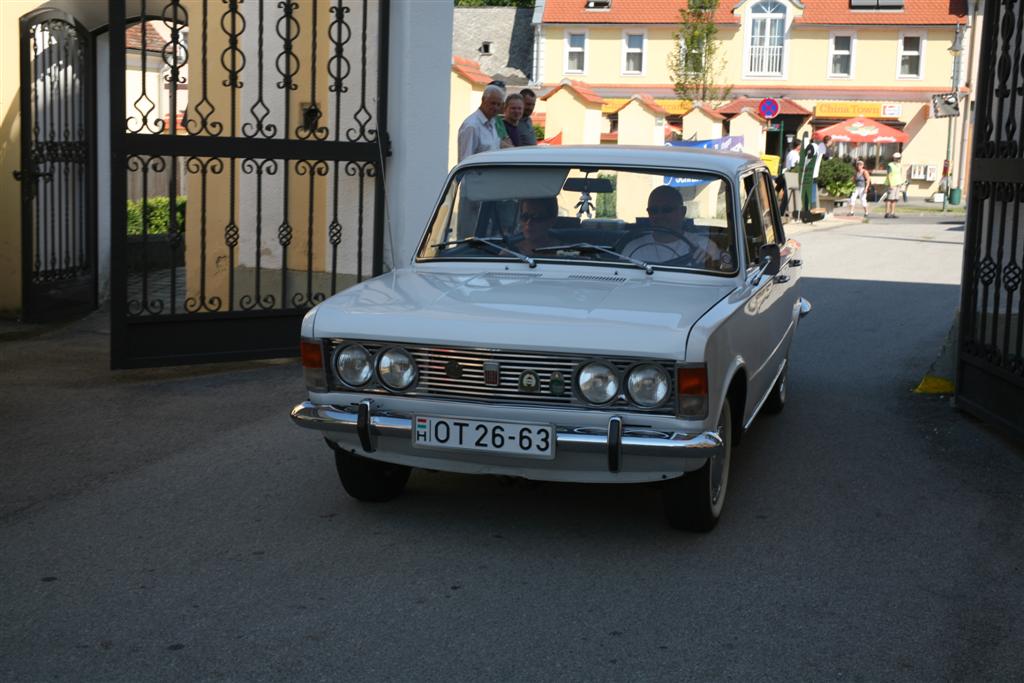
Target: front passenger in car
(669, 236)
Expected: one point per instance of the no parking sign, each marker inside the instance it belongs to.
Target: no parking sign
(768, 108)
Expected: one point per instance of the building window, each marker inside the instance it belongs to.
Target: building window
(911, 51)
(485, 47)
(840, 55)
(767, 38)
(633, 44)
(575, 52)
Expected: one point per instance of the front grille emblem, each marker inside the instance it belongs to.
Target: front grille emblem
(492, 373)
(529, 382)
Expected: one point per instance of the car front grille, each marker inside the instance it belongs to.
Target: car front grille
(458, 373)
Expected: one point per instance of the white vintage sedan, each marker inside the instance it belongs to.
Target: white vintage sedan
(573, 314)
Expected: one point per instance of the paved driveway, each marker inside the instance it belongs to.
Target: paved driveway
(174, 525)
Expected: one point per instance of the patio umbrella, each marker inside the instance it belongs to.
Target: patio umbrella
(861, 129)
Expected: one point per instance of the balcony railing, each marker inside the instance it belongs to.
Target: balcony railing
(766, 60)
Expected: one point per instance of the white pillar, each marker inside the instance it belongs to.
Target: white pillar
(419, 66)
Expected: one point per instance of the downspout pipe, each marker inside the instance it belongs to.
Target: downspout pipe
(965, 110)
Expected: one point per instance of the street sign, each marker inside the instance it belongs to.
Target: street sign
(945, 105)
(768, 108)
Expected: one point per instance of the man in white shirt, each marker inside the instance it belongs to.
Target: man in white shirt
(668, 239)
(477, 133)
(792, 156)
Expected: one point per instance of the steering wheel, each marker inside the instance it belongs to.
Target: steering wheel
(687, 259)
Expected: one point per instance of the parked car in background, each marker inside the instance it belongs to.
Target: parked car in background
(577, 314)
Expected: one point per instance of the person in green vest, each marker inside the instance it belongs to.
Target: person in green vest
(893, 182)
(805, 169)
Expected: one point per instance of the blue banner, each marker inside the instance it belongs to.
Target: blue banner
(730, 143)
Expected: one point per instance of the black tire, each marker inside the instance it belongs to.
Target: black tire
(370, 481)
(694, 501)
(776, 400)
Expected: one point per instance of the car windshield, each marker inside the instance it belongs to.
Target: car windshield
(643, 219)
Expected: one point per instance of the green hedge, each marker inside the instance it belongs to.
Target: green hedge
(158, 215)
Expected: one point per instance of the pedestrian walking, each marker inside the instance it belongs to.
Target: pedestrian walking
(861, 183)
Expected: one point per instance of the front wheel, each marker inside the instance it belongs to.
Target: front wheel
(370, 481)
(694, 501)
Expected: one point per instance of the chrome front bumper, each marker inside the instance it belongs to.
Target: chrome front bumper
(617, 453)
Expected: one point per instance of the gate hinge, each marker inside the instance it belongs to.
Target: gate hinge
(387, 144)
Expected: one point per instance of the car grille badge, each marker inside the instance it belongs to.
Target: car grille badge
(529, 382)
(492, 374)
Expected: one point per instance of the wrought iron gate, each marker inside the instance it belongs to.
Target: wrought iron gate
(58, 224)
(246, 171)
(990, 366)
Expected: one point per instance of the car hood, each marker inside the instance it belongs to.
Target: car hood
(580, 312)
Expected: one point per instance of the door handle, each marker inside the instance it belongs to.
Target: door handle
(782, 278)
(21, 176)
(796, 263)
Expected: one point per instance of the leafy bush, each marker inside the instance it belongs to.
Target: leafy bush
(836, 176)
(158, 215)
(606, 201)
(538, 131)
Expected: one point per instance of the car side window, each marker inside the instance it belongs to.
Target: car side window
(765, 189)
(753, 228)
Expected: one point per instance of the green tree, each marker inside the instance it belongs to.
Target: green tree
(698, 66)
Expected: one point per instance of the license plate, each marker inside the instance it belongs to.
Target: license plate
(507, 438)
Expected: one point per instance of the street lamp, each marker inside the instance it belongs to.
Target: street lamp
(955, 49)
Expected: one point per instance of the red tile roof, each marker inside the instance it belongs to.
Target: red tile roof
(647, 102)
(740, 103)
(581, 89)
(627, 12)
(133, 38)
(710, 112)
(915, 12)
(820, 12)
(469, 70)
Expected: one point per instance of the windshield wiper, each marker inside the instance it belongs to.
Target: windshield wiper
(595, 249)
(489, 242)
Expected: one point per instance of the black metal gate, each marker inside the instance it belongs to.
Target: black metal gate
(246, 171)
(58, 224)
(990, 366)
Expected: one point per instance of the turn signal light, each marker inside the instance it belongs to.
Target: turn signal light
(692, 384)
(312, 354)
(313, 371)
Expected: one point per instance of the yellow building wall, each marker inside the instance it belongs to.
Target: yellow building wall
(568, 115)
(637, 126)
(465, 98)
(701, 126)
(875, 59)
(752, 130)
(10, 145)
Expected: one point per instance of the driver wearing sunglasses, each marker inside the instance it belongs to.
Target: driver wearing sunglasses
(669, 236)
(536, 216)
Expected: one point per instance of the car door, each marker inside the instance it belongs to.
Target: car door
(777, 320)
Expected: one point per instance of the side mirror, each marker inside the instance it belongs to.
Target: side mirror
(770, 258)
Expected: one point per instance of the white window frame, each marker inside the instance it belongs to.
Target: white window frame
(748, 23)
(568, 49)
(852, 35)
(923, 35)
(626, 50)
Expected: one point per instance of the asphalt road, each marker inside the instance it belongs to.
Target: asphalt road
(174, 525)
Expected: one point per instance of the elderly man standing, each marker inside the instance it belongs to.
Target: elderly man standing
(477, 133)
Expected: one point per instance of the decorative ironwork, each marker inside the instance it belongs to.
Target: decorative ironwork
(990, 378)
(256, 231)
(58, 221)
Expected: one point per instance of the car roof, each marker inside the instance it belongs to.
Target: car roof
(606, 156)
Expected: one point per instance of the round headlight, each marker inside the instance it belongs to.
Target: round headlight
(647, 385)
(353, 365)
(597, 382)
(397, 369)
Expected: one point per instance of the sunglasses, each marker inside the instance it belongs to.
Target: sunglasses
(524, 217)
(655, 210)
